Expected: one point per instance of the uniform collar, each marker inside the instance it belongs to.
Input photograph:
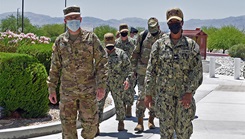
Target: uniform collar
(67, 35)
(180, 42)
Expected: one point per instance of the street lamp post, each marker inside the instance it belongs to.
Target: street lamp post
(22, 16)
(17, 21)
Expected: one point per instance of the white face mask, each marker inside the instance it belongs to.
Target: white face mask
(73, 25)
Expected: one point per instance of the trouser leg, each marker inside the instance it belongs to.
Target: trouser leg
(68, 116)
(183, 120)
(88, 114)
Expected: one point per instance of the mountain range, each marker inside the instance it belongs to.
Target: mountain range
(91, 22)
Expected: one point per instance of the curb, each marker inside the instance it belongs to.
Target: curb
(47, 129)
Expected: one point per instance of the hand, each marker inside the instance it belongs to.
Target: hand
(53, 98)
(126, 85)
(100, 94)
(148, 101)
(186, 100)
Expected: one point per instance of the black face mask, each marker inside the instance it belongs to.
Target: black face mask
(175, 27)
(124, 34)
(110, 47)
(154, 34)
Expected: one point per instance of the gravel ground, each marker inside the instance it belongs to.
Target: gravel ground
(227, 66)
(53, 116)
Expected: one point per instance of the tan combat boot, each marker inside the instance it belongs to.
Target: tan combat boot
(128, 111)
(120, 126)
(139, 127)
(151, 122)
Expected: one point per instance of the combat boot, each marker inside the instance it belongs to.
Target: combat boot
(128, 111)
(139, 127)
(120, 126)
(151, 122)
(98, 131)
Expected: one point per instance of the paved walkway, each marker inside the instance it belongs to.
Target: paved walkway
(220, 111)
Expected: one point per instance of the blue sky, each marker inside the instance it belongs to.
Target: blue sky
(118, 9)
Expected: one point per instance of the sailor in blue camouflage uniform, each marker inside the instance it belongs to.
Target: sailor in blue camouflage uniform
(175, 69)
(127, 44)
(119, 74)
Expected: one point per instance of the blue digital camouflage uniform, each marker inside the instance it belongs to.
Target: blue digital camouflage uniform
(119, 69)
(80, 66)
(128, 46)
(174, 70)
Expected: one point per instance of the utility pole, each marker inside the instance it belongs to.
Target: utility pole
(65, 23)
(22, 16)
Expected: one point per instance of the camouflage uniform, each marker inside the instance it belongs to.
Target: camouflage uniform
(174, 70)
(139, 61)
(119, 73)
(80, 66)
(119, 67)
(128, 46)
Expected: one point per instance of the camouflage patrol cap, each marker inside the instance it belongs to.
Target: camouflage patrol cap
(109, 39)
(153, 25)
(174, 13)
(123, 27)
(71, 10)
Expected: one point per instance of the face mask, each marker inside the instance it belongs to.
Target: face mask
(154, 34)
(124, 34)
(73, 25)
(175, 27)
(110, 47)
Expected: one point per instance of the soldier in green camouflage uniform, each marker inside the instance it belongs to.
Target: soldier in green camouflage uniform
(175, 69)
(139, 61)
(78, 60)
(127, 44)
(119, 73)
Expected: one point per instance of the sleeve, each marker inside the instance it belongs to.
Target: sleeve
(100, 60)
(195, 75)
(136, 54)
(150, 78)
(55, 69)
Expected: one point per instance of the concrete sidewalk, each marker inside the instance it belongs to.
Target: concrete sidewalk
(220, 111)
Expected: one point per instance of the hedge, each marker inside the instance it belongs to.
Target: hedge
(237, 51)
(23, 87)
(42, 52)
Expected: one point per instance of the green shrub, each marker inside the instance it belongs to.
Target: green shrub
(42, 52)
(23, 87)
(237, 51)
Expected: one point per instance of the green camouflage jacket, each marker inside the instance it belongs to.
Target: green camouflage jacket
(141, 54)
(77, 62)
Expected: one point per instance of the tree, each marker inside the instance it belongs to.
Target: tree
(102, 30)
(10, 23)
(224, 38)
(211, 32)
(52, 30)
